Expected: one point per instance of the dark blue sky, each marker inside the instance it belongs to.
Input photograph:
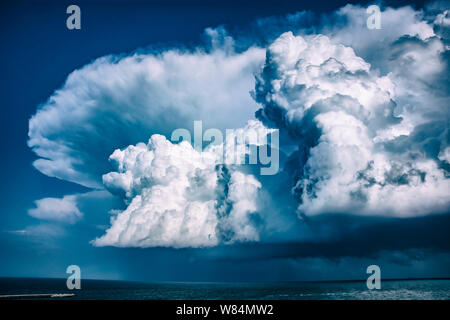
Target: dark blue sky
(38, 52)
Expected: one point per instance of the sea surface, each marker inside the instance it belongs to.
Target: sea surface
(104, 289)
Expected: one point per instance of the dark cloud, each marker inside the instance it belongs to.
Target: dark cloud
(349, 236)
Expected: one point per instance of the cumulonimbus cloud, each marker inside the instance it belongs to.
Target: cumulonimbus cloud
(179, 197)
(345, 117)
(366, 111)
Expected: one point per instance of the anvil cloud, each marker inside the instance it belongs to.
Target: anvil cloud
(363, 117)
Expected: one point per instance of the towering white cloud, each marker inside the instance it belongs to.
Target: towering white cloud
(179, 197)
(344, 117)
(366, 111)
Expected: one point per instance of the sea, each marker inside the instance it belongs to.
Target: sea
(336, 290)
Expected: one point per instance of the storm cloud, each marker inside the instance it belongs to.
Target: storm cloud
(363, 119)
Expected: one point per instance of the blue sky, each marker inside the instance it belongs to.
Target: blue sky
(39, 53)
